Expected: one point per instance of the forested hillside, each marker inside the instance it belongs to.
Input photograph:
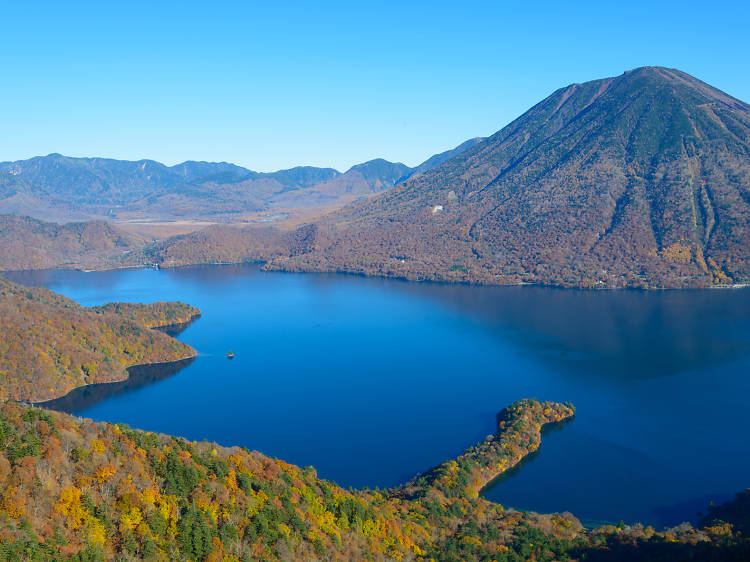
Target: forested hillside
(220, 244)
(50, 345)
(152, 315)
(79, 490)
(27, 243)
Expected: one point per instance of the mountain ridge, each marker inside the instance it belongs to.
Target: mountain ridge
(62, 188)
(637, 180)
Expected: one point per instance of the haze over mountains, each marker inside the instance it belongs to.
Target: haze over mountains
(640, 180)
(62, 188)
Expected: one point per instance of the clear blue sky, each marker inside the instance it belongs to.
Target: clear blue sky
(270, 84)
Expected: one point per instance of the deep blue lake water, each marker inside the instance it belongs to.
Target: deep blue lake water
(372, 381)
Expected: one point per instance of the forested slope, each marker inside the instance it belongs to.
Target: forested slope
(79, 490)
(50, 345)
(27, 243)
(159, 314)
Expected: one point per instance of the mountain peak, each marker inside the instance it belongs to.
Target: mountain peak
(654, 69)
(683, 84)
(636, 180)
(380, 168)
(647, 80)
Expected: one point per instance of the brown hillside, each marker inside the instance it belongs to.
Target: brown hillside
(638, 180)
(50, 345)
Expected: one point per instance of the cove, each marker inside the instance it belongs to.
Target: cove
(372, 381)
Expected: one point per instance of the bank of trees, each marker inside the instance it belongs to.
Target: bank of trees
(79, 490)
(50, 345)
(152, 315)
(518, 434)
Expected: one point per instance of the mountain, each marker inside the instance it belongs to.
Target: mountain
(50, 345)
(62, 188)
(303, 176)
(438, 159)
(632, 181)
(27, 243)
(100, 181)
(192, 171)
(639, 180)
(361, 180)
(379, 173)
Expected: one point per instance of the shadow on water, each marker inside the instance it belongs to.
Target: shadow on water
(691, 510)
(176, 329)
(139, 376)
(553, 427)
(84, 397)
(627, 333)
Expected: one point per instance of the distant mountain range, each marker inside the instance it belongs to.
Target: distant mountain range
(640, 180)
(62, 188)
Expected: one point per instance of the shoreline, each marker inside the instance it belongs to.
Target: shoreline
(264, 266)
(41, 403)
(518, 435)
(178, 325)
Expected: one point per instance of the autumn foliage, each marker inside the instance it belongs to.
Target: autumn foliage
(519, 434)
(79, 490)
(27, 243)
(153, 315)
(50, 345)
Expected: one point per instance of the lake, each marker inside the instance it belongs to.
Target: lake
(372, 381)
